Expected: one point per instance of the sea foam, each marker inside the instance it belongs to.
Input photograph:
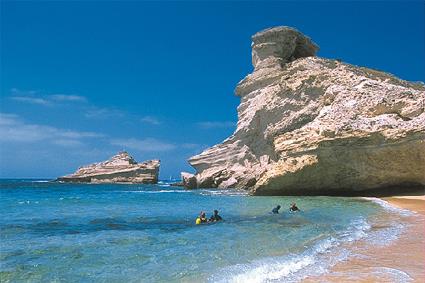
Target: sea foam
(389, 207)
(315, 260)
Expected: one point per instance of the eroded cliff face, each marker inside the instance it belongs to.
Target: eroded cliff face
(308, 125)
(120, 168)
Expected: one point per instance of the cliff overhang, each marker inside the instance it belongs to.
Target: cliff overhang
(315, 126)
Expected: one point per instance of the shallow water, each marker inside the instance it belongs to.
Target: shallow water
(146, 233)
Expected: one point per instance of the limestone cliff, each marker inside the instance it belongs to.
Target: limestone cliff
(121, 168)
(309, 125)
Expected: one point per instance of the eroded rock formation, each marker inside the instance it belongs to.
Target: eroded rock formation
(188, 180)
(120, 168)
(308, 125)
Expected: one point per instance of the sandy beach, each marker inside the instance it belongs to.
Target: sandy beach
(401, 261)
(414, 203)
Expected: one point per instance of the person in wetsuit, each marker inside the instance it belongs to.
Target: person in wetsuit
(294, 207)
(201, 218)
(276, 210)
(215, 217)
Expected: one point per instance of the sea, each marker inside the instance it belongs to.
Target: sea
(55, 232)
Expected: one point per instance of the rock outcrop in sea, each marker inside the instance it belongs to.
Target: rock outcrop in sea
(315, 126)
(120, 168)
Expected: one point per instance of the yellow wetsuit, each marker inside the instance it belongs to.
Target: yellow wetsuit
(200, 220)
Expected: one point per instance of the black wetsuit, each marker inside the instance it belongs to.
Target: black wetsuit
(275, 210)
(216, 218)
(294, 208)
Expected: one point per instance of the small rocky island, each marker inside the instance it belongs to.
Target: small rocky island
(120, 168)
(315, 126)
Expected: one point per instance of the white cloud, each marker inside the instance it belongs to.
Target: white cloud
(150, 120)
(20, 92)
(33, 97)
(79, 135)
(68, 143)
(13, 129)
(7, 119)
(69, 98)
(196, 146)
(32, 100)
(216, 124)
(190, 145)
(148, 144)
(103, 113)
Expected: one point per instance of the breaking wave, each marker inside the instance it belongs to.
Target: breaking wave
(389, 207)
(294, 267)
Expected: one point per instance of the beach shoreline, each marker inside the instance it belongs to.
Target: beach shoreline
(414, 203)
(402, 260)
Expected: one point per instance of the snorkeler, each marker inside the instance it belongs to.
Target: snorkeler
(215, 217)
(294, 207)
(276, 210)
(201, 218)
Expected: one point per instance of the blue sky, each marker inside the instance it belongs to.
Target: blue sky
(83, 80)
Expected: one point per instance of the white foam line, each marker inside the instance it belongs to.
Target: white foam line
(289, 267)
(271, 269)
(155, 192)
(398, 275)
(390, 207)
(223, 192)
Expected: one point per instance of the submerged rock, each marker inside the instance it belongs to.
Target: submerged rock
(120, 168)
(309, 125)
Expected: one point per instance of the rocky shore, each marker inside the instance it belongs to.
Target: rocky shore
(120, 168)
(315, 126)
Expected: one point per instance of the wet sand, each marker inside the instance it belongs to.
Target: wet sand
(414, 203)
(403, 260)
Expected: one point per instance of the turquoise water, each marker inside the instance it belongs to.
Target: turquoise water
(146, 233)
